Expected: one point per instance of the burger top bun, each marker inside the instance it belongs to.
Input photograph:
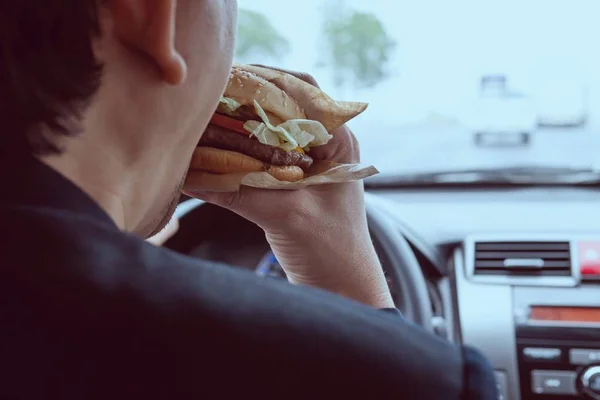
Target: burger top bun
(316, 104)
(245, 87)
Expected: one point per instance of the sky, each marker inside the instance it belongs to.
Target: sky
(444, 46)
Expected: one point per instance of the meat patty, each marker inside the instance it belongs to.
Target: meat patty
(221, 138)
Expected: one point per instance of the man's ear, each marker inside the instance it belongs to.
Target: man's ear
(148, 26)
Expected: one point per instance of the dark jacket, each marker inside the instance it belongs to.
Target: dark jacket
(90, 312)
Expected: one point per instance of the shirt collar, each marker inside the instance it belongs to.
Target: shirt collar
(29, 182)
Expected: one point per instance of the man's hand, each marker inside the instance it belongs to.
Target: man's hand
(318, 234)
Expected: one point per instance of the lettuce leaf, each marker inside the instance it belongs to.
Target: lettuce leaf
(228, 104)
(290, 135)
(262, 133)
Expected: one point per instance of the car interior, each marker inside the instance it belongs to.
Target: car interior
(489, 243)
(509, 270)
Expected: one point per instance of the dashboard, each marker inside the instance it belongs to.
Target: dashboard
(514, 272)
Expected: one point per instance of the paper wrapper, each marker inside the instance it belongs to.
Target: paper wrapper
(320, 173)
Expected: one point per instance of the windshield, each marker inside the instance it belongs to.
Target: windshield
(452, 85)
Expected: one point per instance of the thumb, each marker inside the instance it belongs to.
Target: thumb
(245, 198)
(211, 188)
(227, 200)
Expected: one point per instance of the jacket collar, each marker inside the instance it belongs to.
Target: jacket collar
(29, 182)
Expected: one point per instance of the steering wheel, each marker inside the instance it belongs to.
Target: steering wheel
(402, 266)
(400, 262)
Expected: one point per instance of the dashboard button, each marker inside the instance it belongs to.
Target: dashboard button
(553, 382)
(589, 258)
(502, 385)
(590, 382)
(541, 354)
(584, 356)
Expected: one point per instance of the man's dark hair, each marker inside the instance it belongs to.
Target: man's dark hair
(48, 71)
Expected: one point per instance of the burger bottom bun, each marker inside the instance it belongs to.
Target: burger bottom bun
(286, 173)
(217, 161)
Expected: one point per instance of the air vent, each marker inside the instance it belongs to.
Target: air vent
(523, 258)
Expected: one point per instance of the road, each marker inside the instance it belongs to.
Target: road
(435, 148)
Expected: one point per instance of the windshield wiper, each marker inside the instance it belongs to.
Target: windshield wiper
(516, 175)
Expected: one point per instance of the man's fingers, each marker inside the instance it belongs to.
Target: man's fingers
(232, 200)
(225, 200)
(343, 148)
(200, 181)
(211, 188)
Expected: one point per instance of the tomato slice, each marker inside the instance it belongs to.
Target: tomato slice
(229, 123)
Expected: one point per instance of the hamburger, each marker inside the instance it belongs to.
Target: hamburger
(259, 126)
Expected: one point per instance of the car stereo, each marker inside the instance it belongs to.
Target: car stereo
(559, 362)
(557, 337)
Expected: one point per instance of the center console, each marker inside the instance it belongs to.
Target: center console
(558, 347)
(531, 304)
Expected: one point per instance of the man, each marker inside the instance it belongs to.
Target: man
(102, 104)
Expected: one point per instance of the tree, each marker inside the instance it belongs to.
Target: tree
(257, 37)
(357, 47)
